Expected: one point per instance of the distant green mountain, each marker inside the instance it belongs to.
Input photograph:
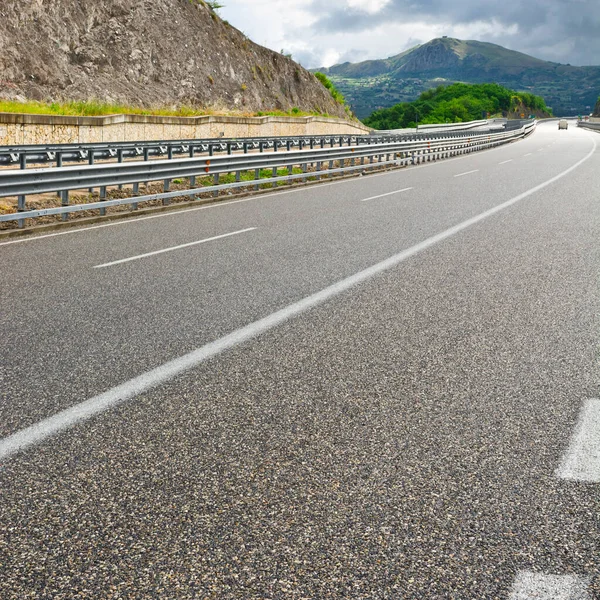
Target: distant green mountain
(376, 84)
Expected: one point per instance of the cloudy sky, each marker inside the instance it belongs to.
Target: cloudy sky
(325, 32)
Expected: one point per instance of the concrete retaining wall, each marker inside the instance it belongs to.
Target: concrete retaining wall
(25, 129)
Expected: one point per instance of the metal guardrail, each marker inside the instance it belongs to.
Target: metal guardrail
(60, 154)
(20, 183)
(589, 125)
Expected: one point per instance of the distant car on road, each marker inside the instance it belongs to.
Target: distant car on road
(562, 124)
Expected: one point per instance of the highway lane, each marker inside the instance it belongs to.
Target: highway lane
(148, 312)
(398, 441)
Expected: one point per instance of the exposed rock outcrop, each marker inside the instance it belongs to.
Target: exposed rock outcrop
(146, 53)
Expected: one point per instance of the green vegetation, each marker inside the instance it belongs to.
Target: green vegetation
(294, 112)
(93, 108)
(337, 96)
(249, 177)
(97, 109)
(456, 103)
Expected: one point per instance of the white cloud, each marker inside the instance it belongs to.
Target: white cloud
(368, 6)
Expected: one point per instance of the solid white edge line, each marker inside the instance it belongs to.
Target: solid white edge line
(581, 461)
(388, 194)
(46, 428)
(467, 173)
(529, 585)
(172, 248)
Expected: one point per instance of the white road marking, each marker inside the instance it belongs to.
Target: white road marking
(211, 239)
(538, 586)
(65, 419)
(388, 194)
(83, 229)
(528, 154)
(467, 173)
(506, 161)
(581, 461)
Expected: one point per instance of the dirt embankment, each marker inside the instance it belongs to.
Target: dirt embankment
(146, 53)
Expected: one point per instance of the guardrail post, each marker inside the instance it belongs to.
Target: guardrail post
(102, 199)
(167, 182)
(136, 191)
(146, 159)
(59, 164)
(21, 199)
(120, 159)
(257, 178)
(216, 182)
(65, 202)
(274, 171)
(166, 188)
(192, 177)
(91, 162)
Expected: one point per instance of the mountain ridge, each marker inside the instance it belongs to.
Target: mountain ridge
(374, 84)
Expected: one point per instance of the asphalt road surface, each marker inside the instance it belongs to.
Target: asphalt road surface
(384, 387)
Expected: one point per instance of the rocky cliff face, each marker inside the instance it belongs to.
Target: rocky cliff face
(146, 53)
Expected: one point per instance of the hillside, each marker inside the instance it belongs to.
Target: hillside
(456, 103)
(375, 84)
(147, 54)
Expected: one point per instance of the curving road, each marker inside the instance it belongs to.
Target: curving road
(383, 387)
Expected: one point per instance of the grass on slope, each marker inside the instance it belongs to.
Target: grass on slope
(94, 108)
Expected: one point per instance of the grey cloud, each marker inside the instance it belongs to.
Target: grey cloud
(545, 26)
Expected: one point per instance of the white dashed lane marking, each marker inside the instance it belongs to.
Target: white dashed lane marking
(581, 461)
(538, 586)
(467, 173)
(384, 195)
(172, 248)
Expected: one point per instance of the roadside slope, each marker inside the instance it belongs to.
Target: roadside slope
(149, 54)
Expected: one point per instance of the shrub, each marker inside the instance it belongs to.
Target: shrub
(455, 103)
(335, 94)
